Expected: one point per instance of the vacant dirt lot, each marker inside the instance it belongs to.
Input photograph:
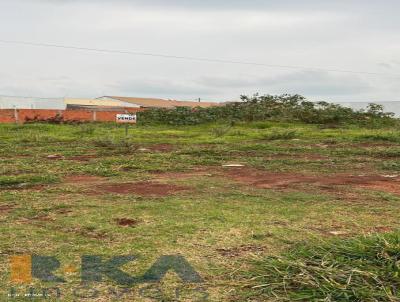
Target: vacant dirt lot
(219, 201)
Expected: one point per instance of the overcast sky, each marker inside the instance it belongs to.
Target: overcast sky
(345, 35)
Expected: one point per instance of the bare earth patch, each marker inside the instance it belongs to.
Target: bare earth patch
(202, 171)
(77, 179)
(140, 188)
(6, 208)
(55, 157)
(265, 179)
(126, 222)
(161, 147)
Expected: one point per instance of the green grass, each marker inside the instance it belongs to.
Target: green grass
(281, 135)
(360, 269)
(26, 181)
(219, 224)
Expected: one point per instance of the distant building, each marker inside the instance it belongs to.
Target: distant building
(104, 103)
(16, 102)
(96, 104)
(155, 103)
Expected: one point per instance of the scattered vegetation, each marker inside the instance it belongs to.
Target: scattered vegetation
(26, 180)
(118, 145)
(86, 129)
(389, 137)
(220, 131)
(269, 107)
(361, 269)
(223, 218)
(281, 134)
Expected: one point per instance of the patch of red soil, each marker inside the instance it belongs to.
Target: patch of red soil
(240, 250)
(386, 186)
(263, 179)
(82, 179)
(6, 208)
(126, 222)
(141, 188)
(185, 174)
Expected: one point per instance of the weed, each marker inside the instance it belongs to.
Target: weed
(280, 135)
(119, 146)
(86, 129)
(387, 137)
(220, 131)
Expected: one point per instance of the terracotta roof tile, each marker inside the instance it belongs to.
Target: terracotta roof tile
(161, 103)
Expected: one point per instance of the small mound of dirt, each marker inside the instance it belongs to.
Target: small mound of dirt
(141, 188)
(126, 222)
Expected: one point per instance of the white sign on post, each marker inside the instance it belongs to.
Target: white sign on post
(126, 118)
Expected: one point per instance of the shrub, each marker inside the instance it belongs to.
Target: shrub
(269, 108)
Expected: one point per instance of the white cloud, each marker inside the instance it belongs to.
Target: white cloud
(350, 35)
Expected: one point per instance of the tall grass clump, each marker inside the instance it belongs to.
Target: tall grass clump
(361, 269)
(117, 145)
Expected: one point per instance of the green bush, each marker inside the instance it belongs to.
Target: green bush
(269, 108)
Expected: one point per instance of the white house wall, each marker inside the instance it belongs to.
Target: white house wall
(9, 102)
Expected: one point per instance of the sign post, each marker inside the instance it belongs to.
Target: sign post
(126, 119)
